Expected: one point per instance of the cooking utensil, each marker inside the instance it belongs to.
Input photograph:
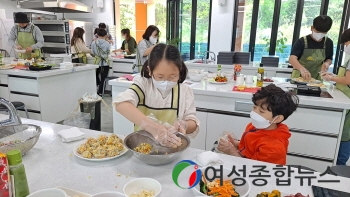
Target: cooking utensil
(159, 154)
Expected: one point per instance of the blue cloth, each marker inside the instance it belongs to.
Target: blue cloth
(344, 153)
(101, 48)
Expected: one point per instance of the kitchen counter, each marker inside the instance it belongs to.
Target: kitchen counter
(51, 163)
(48, 95)
(281, 67)
(221, 109)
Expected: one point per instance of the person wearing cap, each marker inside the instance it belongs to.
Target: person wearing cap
(313, 53)
(27, 36)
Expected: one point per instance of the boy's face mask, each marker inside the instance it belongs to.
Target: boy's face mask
(260, 122)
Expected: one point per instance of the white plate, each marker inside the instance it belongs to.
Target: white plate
(6, 67)
(102, 159)
(72, 193)
(215, 82)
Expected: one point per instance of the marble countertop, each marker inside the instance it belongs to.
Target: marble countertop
(339, 100)
(51, 163)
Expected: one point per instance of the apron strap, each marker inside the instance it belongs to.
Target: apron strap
(175, 97)
(100, 50)
(140, 94)
(305, 42)
(324, 44)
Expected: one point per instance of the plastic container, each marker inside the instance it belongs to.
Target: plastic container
(51, 192)
(18, 172)
(109, 194)
(139, 184)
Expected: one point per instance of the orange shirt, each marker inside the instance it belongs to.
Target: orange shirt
(265, 145)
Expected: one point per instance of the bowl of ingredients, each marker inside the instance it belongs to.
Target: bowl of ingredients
(141, 187)
(228, 188)
(151, 152)
(52, 192)
(196, 77)
(109, 194)
(228, 74)
(22, 137)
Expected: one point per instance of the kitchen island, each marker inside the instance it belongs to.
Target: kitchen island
(316, 126)
(51, 163)
(48, 95)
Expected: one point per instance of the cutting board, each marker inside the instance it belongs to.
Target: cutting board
(251, 90)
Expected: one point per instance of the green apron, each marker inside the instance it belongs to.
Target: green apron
(81, 56)
(168, 115)
(312, 60)
(98, 57)
(26, 39)
(346, 90)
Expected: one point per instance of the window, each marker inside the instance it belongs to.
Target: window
(244, 20)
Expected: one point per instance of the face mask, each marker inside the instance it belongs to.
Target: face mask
(347, 49)
(318, 36)
(258, 121)
(123, 37)
(164, 85)
(153, 40)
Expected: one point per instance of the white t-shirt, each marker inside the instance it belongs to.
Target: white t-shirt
(154, 98)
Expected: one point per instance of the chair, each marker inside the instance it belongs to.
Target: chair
(343, 171)
(18, 105)
(104, 83)
(4, 53)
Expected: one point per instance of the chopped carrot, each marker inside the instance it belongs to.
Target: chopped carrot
(226, 190)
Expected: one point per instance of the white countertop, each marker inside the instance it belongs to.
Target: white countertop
(115, 59)
(339, 100)
(51, 163)
(47, 73)
(281, 68)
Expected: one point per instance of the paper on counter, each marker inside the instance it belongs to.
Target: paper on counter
(70, 135)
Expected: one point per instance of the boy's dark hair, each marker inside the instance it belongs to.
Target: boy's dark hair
(150, 29)
(102, 26)
(276, 100)
(164, 52)
(322, 23)
(345, 36)
(101, 32)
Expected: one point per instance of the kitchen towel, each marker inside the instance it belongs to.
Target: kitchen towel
(208, 158)
(72, 134)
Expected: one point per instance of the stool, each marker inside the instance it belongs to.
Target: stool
(104, 83)
(18, 105)
(343, 171)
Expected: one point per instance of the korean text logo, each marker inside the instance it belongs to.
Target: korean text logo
(180, 170)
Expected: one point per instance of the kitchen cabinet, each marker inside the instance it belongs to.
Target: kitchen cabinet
(4, 90)
(122, 66)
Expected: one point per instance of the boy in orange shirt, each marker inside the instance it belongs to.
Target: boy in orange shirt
(265, 138)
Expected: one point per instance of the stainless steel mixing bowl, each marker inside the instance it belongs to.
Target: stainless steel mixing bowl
(160, 154)
(22, 137)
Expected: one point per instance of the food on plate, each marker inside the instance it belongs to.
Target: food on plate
(300, 79)
(144, 193)
(268, 80)
(220, 79)
(321, 85)
(143, 148)
(101, 147)
(227, 189)
(8, 66)
(274, 193)
(241, 87)
(297, 195)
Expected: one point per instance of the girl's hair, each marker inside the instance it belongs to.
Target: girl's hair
(127, 33)
(150, 29)
(77, 34)
(102, 26)
(101, 32)
(164, 52)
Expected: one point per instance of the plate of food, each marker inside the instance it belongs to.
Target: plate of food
(321, 85)
(218, 80)
(101, 148)
(301, 80)
(277, 193)
(5, 67)
(268, 81)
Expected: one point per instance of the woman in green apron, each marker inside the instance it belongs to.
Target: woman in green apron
(145, 46)
(78, 47)
(343, 84)
(313, 53)
(26, 36)
(129, 44)
(101, 49)
(160, 92)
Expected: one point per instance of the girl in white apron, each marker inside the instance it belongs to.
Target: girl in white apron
(160, 92)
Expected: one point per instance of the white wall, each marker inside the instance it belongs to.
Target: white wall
(99, 15)
(221, 26)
